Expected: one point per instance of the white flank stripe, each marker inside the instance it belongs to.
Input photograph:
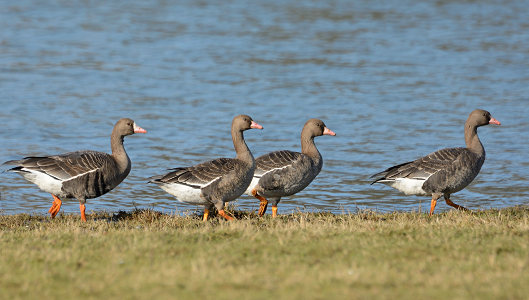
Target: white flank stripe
(71, 178)
(205, 185)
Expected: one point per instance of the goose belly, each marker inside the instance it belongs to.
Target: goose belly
(285, 184)
(44, 182)
(295, 187)
(408, 186)
(184, 193)
(459, 181)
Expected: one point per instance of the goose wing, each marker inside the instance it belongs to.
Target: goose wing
(198, 176)
(275, 161)
(421, 168)
(63, 167)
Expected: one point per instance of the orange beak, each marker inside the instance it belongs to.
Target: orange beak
(256, 126)
(138, 129)
(327, 131)
(494, 121)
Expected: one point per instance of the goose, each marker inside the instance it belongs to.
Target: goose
(215, 182)
(81, 174)
(443, 172)
(284, 173)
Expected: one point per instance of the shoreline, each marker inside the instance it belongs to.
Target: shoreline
(146, 254)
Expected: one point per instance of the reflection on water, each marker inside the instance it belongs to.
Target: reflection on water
(395, 81)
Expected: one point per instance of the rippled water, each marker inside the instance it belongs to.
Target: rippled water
(395, 80)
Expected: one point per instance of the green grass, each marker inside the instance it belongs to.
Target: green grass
(145, 254)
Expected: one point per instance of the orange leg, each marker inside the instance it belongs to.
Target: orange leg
(274, 211)
(449, 202)
(52, 206)
(263, 205)
(82, 207)
(206, 214)
(55, 207)
(432, 205)
(225, 215)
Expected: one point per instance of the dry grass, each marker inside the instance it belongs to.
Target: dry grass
(146, 254)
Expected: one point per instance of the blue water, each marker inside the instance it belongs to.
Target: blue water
(395, 80)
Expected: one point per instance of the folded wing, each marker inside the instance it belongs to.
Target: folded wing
(422, 168)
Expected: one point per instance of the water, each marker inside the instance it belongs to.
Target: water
(394, 80)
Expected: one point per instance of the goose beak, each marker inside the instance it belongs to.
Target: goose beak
(256, 126)
(494, 121)
(327, 131)
(138, 129)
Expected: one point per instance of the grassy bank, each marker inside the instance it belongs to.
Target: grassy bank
(145, 254)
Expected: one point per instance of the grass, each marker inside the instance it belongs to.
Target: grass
(145, 254)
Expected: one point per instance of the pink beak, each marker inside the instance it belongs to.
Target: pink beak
(138, 129)
(327, 131)
(256, 126)
(494, 121)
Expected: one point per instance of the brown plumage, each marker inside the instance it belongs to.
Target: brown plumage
(284, 173)
(443, 172)
(82, 174)
(214, 182)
